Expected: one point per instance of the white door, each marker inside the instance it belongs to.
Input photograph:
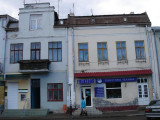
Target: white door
(87, 95)
(12, 95)
(143, 96)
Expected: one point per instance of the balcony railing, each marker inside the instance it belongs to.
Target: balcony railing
(29, 66)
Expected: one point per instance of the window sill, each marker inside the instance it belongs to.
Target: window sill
(141, 60)
(103, 62)
(122, 61)
(83, 63)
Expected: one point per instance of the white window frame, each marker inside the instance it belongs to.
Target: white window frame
(36, 20)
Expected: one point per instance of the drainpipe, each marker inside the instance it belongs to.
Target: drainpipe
(73, 64)
(4, 62)
(154, 32)
(150, 61)
(67, 65)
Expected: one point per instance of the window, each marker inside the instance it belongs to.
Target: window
(55, 92)
(121, 51)
(35, 51)
(16, 52)
(139, 45)
(83, 52)
(23, 97)
(102, 51)
(113, 90)
(55, 51)
(3, 22)
(35, 22)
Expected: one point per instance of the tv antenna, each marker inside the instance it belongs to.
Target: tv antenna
(58, 6)
(92, 12)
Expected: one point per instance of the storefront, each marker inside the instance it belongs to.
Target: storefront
(113, 91)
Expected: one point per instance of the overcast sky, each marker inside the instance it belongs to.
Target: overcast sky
(85, 7)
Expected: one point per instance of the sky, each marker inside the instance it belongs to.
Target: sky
(89, 7)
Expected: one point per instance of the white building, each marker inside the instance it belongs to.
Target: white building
(4, 21)
(36, 67)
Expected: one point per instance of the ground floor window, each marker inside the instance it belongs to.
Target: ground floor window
(113, 90)
(55, 91)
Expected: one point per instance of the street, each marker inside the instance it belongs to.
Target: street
(112, 118)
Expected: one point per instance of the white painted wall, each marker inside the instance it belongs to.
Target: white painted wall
(111, 35)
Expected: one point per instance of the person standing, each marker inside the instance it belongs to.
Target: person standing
(83, 106)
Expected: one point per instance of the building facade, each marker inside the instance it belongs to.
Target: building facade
(4, 21)
(111, 63)
(52, 62)
(36, 68)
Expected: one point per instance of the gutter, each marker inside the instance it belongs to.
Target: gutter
(149, 46)
(4, 62)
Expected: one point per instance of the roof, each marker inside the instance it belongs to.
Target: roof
(107, 20)
(113, 73)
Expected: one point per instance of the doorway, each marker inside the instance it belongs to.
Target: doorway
(143, 94)
(87, 95)
(35, 93)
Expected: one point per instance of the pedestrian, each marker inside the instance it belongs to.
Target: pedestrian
(83, 106)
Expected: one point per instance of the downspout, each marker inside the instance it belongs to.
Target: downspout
(73, 64)
(67, 67)
(156, 53)
(150, 61)
(4, 62)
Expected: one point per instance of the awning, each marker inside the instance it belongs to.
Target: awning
(113, 73)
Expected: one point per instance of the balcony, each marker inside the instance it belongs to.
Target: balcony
(34, 66)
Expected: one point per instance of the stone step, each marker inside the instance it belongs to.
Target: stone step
(90, 111)
(24, 113)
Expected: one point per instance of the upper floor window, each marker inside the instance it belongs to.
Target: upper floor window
(55, 51)
(3, 22)
(55, 91)
(35, 51)
(83, 52)
(121, 51)
(102, 51)
(35, 22)
(139, 46)
(16, 52)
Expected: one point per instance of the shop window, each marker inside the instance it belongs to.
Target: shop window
(113, 90)
(102, 51)
(23, 97)
(16, 52)
(55, 92)
(55, 51)
(121, 51)
(139, 46)
(83, 52)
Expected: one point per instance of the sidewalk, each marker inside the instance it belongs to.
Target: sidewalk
(56, 116)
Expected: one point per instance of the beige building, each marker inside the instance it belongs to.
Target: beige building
(111, 62)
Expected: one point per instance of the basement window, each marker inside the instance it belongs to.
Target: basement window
(113, 90)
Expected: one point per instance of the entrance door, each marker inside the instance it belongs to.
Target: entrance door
(143, 96)
(35, 93)
(86, 93)
(12, 95)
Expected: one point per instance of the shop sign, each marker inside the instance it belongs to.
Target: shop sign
(22, 90)
(99, 91)
(109, 80)
(85, 81)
